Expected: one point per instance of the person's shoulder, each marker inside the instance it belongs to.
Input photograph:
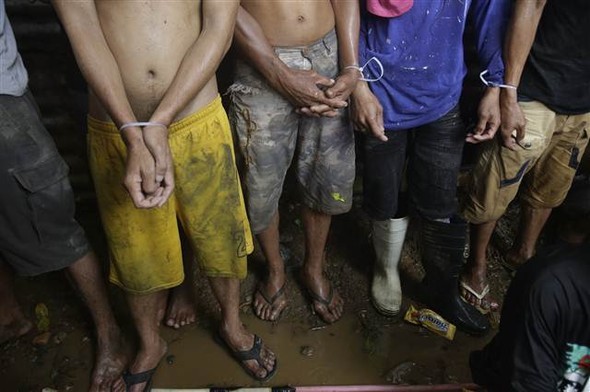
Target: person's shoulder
(558, 263)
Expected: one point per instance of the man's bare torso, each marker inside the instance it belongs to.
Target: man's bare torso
(293, 22)
(149, 39)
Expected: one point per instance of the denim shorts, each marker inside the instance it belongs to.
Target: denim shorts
(431, 156)
(38, 232)
(272, 137)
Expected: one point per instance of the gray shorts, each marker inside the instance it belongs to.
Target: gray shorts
(272, 136)
(38, 232)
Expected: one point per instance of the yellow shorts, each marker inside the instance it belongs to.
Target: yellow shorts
(144, 245)
(545, 162)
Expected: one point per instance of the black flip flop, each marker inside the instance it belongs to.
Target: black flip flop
(272, 299)
(246, 355)
(131, 379)
(324, 301)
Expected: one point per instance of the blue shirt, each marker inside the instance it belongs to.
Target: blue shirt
(423, 56)
(13, 75)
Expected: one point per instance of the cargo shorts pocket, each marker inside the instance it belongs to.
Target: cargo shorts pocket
(580, 145)
(49, 196)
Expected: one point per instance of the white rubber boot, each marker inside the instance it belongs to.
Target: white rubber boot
(388, 241)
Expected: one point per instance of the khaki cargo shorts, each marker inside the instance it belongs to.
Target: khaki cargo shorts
(545, 163)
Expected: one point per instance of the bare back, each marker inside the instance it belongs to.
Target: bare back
(149, 39)
(292, 23)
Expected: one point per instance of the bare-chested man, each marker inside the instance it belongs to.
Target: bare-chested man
(297, 68)
(154, 62)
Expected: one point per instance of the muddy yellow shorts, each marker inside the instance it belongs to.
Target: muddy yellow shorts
(545, 163)
(144, 245)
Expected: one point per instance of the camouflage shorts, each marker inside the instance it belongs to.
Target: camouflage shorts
(272, 136)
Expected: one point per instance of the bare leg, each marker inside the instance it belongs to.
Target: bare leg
(475, 271)
(147, 311)
(270, 308)
(110, 356)
(233, 332)
(532, 221)
(13, 323)
(181, 308)
(317, 226)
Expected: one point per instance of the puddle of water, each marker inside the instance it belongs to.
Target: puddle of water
(346, 353)
(340, 354)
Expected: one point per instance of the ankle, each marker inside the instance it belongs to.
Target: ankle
(276, 275)
(108, 334)
(522, 253)
(312, 271)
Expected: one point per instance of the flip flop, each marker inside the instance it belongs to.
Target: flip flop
(324, 301)
(271, 301)
(131, 379)
(479, 295)
(246, 355)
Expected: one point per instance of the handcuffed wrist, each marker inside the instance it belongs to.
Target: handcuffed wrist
(355, 67)
(142, 124)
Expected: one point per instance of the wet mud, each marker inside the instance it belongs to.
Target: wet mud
(362, 348)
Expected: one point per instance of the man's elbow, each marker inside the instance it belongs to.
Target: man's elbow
(228, 44)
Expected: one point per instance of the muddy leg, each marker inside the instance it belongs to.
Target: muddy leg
(147, 311)
(532, 221)
(110, 354)
(475, 270)
(13, 323)
(181, 308)
(317, 226)
(232, 331)
(269, 242)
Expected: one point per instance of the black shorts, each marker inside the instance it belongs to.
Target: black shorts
(38, 232)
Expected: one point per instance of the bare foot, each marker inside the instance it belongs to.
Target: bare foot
(181, 307)
(242, 340)
(327, 303)
(146, 359)
(270, 299)
(13, 323)
(14, 329)
(111, 361)
(476, 279)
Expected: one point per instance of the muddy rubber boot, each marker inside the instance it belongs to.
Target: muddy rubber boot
(443, 245)
(388, 241)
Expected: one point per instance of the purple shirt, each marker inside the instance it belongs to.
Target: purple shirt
(423, 56)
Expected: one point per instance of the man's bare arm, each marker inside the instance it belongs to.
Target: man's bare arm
(96, 60)
(346, 13)
(520, 35)
(100, 69)
(301, 88)
(201, 60)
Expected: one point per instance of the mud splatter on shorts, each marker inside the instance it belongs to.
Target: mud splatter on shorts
(145, 244)
(272, 136)
(38, 232)
(541, 168)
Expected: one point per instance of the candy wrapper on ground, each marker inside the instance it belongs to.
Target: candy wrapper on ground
(431, 321)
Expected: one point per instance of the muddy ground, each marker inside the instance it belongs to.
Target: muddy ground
(362, 348)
